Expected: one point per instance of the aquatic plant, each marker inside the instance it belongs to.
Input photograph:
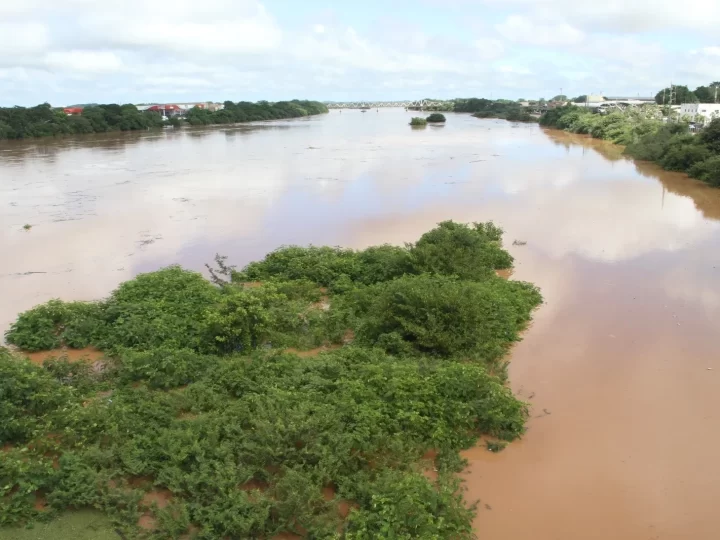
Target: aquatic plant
(418, 122)
(435, 118)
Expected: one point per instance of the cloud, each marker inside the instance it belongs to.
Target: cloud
(69, 51)
(521, 29)
(84, 61)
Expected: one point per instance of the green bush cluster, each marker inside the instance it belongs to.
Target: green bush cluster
(670, 145)
(198, 397)
(435, 118)
(418, 121)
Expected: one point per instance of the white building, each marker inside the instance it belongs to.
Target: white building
(696, 111)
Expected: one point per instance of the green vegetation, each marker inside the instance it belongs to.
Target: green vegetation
(418, 122)
(43, 120)
(27, 226)
(485, 108)
(682, 94)
(199, 421)
(75, 525)
(244, 111)
(670, 145)
(435, 118)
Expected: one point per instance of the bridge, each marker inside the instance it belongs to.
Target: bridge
(412, 104)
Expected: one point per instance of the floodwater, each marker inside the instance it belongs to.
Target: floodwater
(621, 364)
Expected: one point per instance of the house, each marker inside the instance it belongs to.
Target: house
(701, 113)
(72, 110)
(167, 110)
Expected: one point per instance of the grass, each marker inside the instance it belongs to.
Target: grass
(496, 446)
(79, 525)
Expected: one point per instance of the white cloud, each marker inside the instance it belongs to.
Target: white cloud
(84, 61)
(22, 38)
(521, 29)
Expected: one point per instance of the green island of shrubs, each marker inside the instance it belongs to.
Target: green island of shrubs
(200, 421)
(435, 118)
(418, 121)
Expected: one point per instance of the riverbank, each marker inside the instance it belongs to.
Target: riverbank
(671, 146)
(45, 121)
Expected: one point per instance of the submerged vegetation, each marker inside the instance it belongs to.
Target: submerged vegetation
(671, 144)
(201, 421)
(418, 121)
(44, 120)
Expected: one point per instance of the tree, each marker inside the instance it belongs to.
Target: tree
(580, 99)
(560, 97)
(681, 95)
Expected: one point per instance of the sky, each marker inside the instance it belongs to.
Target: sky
(137, 51)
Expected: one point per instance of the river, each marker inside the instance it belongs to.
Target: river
(621, 364)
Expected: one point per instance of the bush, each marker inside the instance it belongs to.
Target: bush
(417, 121)
(443, 316)
(681, 157)
(708, 171)
(56, 323)
(468, 251)
(435, 118)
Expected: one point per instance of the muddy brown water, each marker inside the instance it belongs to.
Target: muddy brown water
(621, 365)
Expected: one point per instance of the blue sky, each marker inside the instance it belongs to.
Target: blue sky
(76, 51)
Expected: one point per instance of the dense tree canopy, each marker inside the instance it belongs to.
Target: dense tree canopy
(44, 120)
(199, 405)
(244, 111)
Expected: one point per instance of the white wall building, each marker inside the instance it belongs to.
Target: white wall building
(707, 111)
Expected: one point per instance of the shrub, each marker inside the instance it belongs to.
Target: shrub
(681, 157)
(467, 251)
(417, 121)
(56, 323)
(443, 316)
(435, 118)
(708, 171)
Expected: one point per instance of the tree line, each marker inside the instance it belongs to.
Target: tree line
(486, 108)
(46, 121)
(199, 398)
(245, 111)
(670, 144)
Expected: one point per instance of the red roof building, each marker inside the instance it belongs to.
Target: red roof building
(72, 110)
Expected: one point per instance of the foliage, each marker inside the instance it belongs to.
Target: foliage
(417, 121)
(469, 251)
(197, 399)
(43, 120)
(485, 108)
(56, 323)
(244, 111)
(681, 94)
(435, 117)
(443, 316)
(75, 525)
